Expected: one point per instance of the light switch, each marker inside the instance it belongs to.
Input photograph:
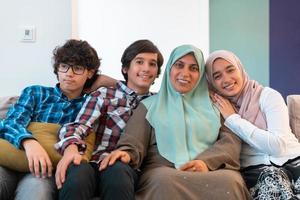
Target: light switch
(28, 33)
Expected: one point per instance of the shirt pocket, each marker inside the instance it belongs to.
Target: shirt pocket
(119, 114)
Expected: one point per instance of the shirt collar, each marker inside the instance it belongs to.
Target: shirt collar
(121, 85)
(58, 90)
(61, 94)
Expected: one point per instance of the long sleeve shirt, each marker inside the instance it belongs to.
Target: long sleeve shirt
(139, 142)
(275, 145)
(38, 104)
(106, 111)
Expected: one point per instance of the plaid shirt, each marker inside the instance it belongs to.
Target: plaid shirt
(107, 111)
(38, 104)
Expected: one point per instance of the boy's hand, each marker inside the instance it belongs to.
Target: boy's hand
(71, 154)
(38, 159)
(111, 158)
(102, 81)
(195, 166)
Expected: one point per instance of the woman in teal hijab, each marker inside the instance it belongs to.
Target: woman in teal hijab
(175, 138)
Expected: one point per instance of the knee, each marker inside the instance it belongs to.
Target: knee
(8, 183)
(80, 182)
(6, 174)
(79, 174)
(232, 182)
(161, 177)
(117, 170)
(31, 187)
(118, 175)
(6, 190)
(231, 178)
(43, 185)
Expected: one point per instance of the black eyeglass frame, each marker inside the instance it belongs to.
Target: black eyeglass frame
(77, 69)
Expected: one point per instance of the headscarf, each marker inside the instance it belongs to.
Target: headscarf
(246, 102)
(185, 124)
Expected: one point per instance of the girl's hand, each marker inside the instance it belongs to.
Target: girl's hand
(223, 105)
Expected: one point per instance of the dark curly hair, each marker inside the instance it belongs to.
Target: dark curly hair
(77, 52)
(140, 46)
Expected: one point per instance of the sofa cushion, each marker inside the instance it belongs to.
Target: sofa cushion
(293, 102)
(5, 103)
(46, 135)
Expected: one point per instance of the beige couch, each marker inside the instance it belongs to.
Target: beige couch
(293, 102)
(5, 103)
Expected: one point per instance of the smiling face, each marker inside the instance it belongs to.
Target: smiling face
(142, 72)
(227, 78)
(184, 74)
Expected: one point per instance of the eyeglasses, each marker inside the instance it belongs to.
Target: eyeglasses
(77, 69)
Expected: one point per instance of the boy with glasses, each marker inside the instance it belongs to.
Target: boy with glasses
(75, 64)
(107, 111)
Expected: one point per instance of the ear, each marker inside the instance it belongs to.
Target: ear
(91, 73)
(124, 70)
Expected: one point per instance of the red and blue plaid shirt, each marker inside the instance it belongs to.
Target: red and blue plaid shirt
(106, 111)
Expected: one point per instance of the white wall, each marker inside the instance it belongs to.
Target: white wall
(23, 64)
(110, 26)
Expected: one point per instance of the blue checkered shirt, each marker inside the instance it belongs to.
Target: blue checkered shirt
(38, 104)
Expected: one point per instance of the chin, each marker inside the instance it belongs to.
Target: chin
(70, 88)
(145, 85)
(183, 91)
(229, 94)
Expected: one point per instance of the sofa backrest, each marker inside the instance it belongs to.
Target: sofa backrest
(5, 103)
(293, 103)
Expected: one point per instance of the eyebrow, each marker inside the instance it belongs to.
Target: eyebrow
(193, 64)
(227, 67)
(141, 58)
(178, 61)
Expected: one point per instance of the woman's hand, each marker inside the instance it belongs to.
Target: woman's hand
(223, 105)
(195, 166)
(111, 158)
(38, 160)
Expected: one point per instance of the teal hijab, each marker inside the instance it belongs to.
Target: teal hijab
(185, 124)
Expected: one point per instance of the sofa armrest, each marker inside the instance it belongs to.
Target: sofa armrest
(5, 103)
(293, 103)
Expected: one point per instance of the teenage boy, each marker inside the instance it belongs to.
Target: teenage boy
(75, 64)
(106, 111)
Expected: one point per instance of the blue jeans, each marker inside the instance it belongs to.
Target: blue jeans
(21, 186)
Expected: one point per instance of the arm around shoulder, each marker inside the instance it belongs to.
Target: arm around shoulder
(102, 81)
